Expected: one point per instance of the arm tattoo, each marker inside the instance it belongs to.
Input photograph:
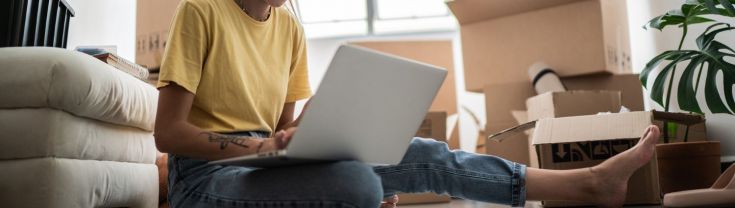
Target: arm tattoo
(225, 140)
(260, 145)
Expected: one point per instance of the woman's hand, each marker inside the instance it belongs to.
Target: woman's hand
(279, 140)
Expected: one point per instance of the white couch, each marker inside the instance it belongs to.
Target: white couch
(74, 132)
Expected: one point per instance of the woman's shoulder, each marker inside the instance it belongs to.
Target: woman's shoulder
(289, 18)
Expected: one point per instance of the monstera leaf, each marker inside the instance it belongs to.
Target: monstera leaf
(709, 58)
(693, 12)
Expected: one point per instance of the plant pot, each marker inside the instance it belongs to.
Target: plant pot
(688, 165)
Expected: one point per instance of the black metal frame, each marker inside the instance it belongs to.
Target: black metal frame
(34, 23)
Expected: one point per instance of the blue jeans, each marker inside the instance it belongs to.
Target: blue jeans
(428, 166)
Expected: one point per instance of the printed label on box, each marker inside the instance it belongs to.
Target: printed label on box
(585, 151)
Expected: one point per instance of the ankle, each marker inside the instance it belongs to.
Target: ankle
(591, 186)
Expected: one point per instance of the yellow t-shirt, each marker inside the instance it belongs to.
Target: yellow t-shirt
(241, 71)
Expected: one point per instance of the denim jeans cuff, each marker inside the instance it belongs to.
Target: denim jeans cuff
(519, 185)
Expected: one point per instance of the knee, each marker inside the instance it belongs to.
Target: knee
(423, 150)
(358, 184)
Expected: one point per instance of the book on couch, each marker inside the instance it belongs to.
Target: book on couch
(118, 62)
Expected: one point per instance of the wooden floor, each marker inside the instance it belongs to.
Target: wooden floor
(465, 204)
(471, 204)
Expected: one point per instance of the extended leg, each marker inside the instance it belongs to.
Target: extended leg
(429, 166)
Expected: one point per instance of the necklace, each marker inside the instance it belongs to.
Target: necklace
(242, 7)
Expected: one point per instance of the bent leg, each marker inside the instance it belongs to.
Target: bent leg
(339, 184)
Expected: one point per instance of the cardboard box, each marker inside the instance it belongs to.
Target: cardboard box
(424, 198)
(453, 140)
(575, 37)
(572, 103)
(502, 99)
(435, 52)
(629, 85)
(434, 126)
(569, 103)
(468, 11)
(631, 95)
(584, 141)
(153, 22)
(480, 147)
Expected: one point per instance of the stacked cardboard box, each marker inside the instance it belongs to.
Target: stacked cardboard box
(502, 38)
(582, 40)
(587, 44)
(579, 38)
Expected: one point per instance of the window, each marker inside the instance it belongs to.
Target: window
(413, 9)
(396, 16)
(324, 18)
(331, 18)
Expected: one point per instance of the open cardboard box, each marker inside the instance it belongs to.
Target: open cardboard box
(504, 98)
(572, 103)
(502, 38)
(585, 141)
(569, 103)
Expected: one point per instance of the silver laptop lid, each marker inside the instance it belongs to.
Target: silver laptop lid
(367, 107)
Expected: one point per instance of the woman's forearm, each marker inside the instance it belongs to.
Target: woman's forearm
(190, 141)
(175, 135)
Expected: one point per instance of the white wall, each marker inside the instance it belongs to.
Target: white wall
(647, 44)
(104, 22)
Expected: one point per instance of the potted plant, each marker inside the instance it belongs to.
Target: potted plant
(691, 165)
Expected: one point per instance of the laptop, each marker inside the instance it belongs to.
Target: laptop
(367, 108)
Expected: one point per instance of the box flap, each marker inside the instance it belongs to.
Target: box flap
(468, 11)
(514, 147)
(511, 131)
(629, 86)
(520, 116)
(681, 118)
(572, 103)
(592, 128)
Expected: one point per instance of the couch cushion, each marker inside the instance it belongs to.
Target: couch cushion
(45, 132)
(76, 83)
(59, 182)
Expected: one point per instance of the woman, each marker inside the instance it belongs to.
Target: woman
(230, 75)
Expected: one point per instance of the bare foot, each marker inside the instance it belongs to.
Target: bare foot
(610, 178)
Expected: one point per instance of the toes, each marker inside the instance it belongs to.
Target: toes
(650, 136)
